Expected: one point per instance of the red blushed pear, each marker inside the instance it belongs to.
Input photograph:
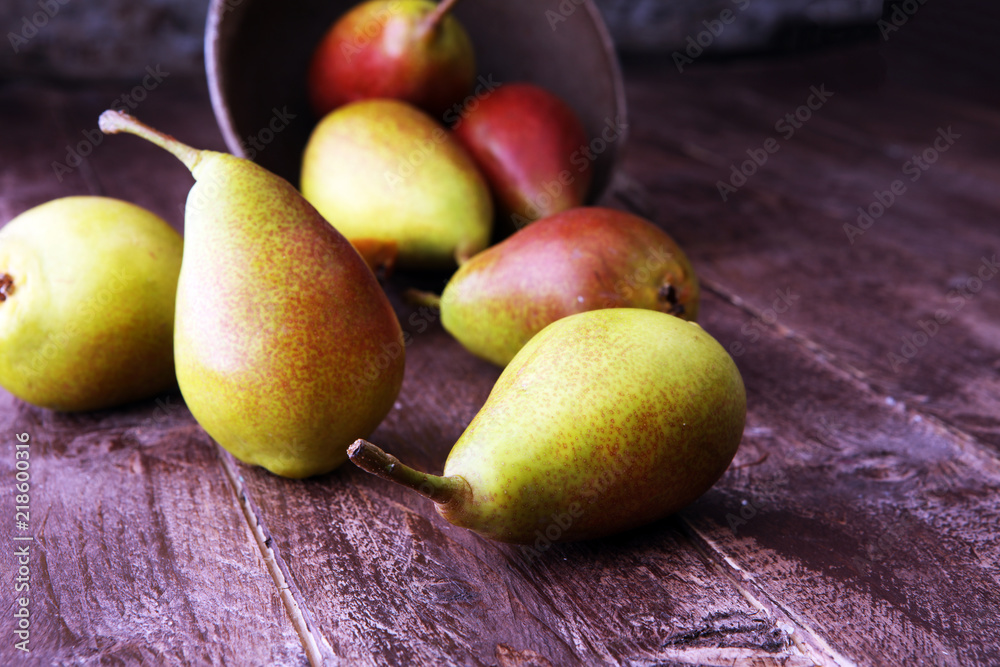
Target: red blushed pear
(587, 258)
(286, 347)
(412, 50)
(531, 146)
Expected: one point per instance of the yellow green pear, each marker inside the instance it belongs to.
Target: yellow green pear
(606, 420)
(87, 290)
(287, 348)
(387, 175)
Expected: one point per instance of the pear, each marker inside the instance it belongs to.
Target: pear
(385, 174)
(582, 259)
(411, 50)
(287, 349)
(605, 421)
(532, 148)
(87, 290)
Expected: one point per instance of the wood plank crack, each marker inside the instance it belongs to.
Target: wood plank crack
(314, 643)
(806, 639)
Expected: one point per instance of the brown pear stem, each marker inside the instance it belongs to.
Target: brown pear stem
(421, 298)
(6, 286)
(442, 490)
(433, 19)
(113, 122)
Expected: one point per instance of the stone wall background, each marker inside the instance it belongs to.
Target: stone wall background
(88, 39)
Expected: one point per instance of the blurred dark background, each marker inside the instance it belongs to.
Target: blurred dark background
(118, 38)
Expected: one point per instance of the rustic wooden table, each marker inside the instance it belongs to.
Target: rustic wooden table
(858, 524)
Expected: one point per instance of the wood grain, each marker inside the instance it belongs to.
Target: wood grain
(858, 515)
(868, 304)
(391, 583)
(140, 554)
(857, 525)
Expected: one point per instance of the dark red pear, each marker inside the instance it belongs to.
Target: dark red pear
(532, 148)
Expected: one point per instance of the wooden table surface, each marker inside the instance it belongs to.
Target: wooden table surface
(858, 524)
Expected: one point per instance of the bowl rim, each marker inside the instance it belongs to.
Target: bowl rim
(217, 9)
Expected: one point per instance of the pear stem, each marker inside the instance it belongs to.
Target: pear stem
(421, 298)
(6, 286)
(442, 490)
(113, 122)
(433, 19)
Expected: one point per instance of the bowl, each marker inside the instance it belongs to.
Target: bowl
(257, 53)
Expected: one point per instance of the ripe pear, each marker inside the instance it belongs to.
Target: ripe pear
(605, 421)
(411, 50)
(582, 259)
(386, 174)
(532, 148)
(287, 349)
(87, 290)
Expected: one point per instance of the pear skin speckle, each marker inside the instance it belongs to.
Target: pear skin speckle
(382, 170)
(606, 420)
(87, 290)
(582, 259)
(287, 348)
